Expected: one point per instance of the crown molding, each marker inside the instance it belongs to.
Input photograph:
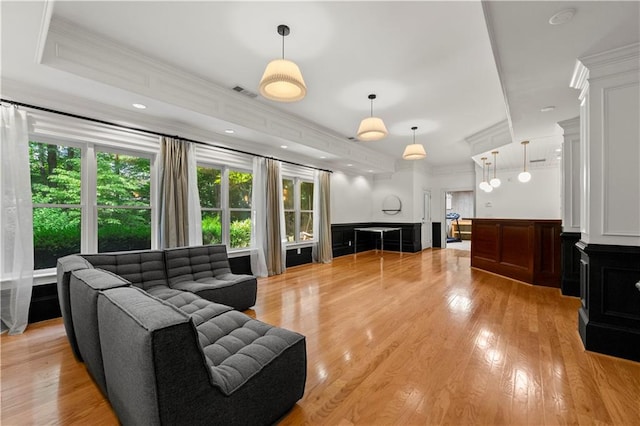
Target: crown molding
(466, 168)
(488, 19)
(492, 137)
(625, 59)
(614, 61)
(79, 51)
(47, 14)
(29, 94)
(570, 126)
(580, 79)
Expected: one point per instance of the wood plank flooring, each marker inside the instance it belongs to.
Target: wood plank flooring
(391, 339)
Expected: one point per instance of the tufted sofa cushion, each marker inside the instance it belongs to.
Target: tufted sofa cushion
(205, 271)
(195, 263)
(199, 309)
(237, 347)
(144, 269)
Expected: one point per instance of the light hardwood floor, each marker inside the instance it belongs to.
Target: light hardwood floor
(393, 339)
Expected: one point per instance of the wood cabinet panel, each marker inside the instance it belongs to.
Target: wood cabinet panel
(516, 242)
(523, 249)
(485, 240)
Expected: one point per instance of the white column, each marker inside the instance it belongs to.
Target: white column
(610, 146)
(570, 203)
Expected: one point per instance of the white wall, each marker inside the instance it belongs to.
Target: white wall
(537, 199)
(351, 198)
(463, 202)
(401, 184)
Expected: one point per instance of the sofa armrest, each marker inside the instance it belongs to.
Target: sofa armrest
(84, 286)
(64, 267)
(155, 369)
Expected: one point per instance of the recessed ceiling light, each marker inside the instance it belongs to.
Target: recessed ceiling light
(323, 157)
(349, 165)
(547, 108)
(370, 171)
(558, 149)
(284, 146)
(562, 17)
(230, 131)
(139, 106)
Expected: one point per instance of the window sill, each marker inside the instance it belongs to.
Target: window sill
(239, 252)
(44, 276)
(301, 244)
(40, 277)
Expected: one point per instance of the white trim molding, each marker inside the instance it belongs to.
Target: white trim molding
(609, 84)
(79, 51)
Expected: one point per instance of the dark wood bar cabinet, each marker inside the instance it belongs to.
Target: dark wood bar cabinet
(523, 249)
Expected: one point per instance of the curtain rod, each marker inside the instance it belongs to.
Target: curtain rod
(151, 132)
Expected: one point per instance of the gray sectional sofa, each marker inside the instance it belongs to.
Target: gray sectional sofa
(164, 354)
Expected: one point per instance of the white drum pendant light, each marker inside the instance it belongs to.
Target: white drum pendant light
(372, 128)
(415, 151)
(282, 80)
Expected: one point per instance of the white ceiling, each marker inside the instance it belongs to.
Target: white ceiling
(430, 63)
(536, 61)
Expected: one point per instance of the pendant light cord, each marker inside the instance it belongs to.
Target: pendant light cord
(283, 36)
(372, 107)
(495, 163)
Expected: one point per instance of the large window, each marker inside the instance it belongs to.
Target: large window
(87, 199)
(124, 207)
(297, 197)
(225, 202)
(56, 193)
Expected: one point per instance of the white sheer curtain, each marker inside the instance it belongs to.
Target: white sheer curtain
(322, 251)
(16, 219)
(259, 218)
(194, 216)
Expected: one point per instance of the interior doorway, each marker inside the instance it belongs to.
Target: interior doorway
(426, 220)
(459, 210)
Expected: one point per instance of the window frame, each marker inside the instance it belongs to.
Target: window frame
(88, 189)
(297, 207)
(96, 148)
(81, 206)
(223, 195)
(225, 207)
